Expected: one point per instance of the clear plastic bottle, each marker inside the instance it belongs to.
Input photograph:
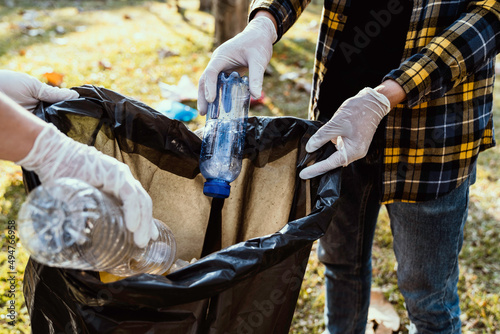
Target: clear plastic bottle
(224, 134)
(70, 224)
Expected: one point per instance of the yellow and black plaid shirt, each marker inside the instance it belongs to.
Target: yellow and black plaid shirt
(432, 140)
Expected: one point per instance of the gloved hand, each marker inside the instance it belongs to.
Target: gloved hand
(252, 49)
(29, 91)
(55, 155)
(355, 123)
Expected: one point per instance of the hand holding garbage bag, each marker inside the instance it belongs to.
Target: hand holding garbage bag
(355, 123)
(252, 49)
(42, 148)
(28, 91)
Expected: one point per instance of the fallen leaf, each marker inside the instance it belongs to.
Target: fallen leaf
(105, 64)
(383, 313)
(60, 30)
(35, 32)
(289, 76)
(54, 78)
(59, 40)
(304, 85)
(369, 328)
(381, 329)
(165, 53)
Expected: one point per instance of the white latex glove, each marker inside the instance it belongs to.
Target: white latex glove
(29, 91)
(54, 155)
(351, 129)
(252, 49)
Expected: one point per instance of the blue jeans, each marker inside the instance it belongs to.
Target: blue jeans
(427, 240)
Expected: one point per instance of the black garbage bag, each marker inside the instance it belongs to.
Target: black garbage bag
(248, 272)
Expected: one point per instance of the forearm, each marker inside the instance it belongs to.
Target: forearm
(392, 91)
(18, 129)
(460, 50)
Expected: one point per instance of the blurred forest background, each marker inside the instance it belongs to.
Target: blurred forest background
(135, 47)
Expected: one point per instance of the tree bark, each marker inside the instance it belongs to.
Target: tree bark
(230, 18)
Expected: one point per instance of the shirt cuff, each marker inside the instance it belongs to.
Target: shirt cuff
(417, 75)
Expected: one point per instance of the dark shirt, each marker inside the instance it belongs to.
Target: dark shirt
(371, 45)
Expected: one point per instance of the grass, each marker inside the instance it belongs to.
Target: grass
(116, 44)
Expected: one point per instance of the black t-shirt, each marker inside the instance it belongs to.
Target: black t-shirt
(370, 46)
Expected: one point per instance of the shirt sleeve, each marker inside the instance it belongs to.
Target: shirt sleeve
(285, 12)
(467, 45)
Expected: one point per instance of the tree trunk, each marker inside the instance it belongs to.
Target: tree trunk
(230, 18)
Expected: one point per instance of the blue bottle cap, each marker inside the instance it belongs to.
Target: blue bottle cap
(217, 188)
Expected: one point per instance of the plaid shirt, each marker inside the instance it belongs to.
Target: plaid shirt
(432, 140)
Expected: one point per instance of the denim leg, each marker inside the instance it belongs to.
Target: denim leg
(346, 251)
(428, 237)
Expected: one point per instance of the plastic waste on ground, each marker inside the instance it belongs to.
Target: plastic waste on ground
(185, 90)
(224, 134)
(68, 223)
(176, 110)
(257, 102)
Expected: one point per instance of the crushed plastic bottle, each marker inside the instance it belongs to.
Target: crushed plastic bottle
(70, 224)
(224, 134)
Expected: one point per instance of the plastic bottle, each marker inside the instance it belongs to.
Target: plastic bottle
(224, 134)
(70, 224)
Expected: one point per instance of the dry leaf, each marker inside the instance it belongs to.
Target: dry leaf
(381, 329)
(369, 328)
(383, 313)
(60, 30)
(105, 64)
(54, 78)
(165, 53)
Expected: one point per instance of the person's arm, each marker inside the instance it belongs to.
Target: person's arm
(393, 91)
(467, 45)
(40, 147)
(18, 129)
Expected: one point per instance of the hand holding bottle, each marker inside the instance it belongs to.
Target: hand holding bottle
(70, 224)
(55, 155)
(252, 49)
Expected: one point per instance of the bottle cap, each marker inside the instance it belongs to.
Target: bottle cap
(217, 188)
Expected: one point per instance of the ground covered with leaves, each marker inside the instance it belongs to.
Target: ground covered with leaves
(132, 47)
